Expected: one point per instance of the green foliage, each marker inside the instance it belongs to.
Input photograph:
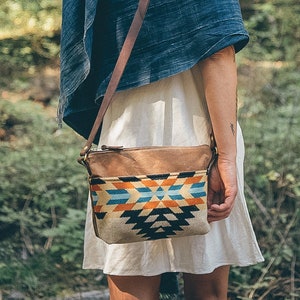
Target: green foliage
(20, 16)
(29, 35)
(43, 192)
(43, 196)
(270, 117)
(274, 28)
(26, 54)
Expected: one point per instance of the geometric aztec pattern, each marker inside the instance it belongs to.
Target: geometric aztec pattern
(154, 206)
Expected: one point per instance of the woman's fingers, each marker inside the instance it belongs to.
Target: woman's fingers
(221, 211)
(222, 190)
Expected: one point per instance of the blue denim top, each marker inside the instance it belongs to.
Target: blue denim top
(175, 35)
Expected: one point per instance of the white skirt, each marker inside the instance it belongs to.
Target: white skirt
(171, 111)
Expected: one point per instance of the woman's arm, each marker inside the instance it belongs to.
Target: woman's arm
(219, 75)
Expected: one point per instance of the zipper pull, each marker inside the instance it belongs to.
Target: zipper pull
(114, 148)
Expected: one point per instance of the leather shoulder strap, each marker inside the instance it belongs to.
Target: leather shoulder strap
(118, 71)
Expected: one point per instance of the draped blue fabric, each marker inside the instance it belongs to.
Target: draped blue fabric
(176, 34)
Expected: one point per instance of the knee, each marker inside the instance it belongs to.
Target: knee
(134, 287)
(211, 286)
(205, 294)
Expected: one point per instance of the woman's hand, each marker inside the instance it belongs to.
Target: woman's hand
(222, 189)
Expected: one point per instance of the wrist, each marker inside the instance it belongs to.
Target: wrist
(227, 156)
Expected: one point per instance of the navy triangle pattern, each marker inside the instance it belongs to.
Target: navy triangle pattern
(150, 230)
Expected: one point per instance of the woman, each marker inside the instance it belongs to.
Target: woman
(181, 77)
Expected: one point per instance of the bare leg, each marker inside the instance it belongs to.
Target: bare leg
(134, 287)
(211, 286)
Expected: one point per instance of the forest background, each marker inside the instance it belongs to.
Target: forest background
(43, 191)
